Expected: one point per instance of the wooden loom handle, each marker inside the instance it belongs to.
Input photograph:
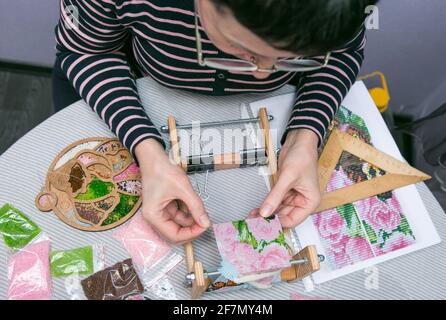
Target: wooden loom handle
(295, 272)
(175, 150)
(200, 284)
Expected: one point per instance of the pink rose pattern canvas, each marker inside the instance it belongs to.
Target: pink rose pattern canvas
(252, 246)
(367, 228)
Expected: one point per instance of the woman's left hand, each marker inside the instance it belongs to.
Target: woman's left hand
(296, 194)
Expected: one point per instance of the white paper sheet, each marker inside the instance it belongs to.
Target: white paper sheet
(359, 102)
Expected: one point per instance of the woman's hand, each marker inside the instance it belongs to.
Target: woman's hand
(163, 183)
(296, 194)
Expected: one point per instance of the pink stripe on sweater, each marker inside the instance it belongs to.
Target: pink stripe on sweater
(320, 83)
(318, 92)
(358, 67)
(171, 9)
(124, 98)
(347, 67)
(94, 64)
(172, 55)
(340, 71)
(171, 67)
(110, 121)
(79, 3)
(178, 86)
(108, 92)
(165, 32)
(314, 110)
(129, 132)
(170, 44)
(75, 63)
(297, 118)
(70, 40)
(168, 21)
(316, 101)
(127, 119)
(103, 83)
(99, 13)
(86, 81)
(76, 32)
(65, 44)
(77, 29)
(327, 75)
(100, 5)
(63, 62)
(173, 77)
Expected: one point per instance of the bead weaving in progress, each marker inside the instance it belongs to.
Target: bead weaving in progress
(251, 246)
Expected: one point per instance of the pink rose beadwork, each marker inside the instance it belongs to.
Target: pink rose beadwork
(253, 246)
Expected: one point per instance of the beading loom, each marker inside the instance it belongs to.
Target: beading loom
(303, 263)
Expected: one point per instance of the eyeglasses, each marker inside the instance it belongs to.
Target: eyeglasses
(287, 65)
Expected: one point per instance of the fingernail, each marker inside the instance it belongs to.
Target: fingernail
(204, 221)
(266, 210)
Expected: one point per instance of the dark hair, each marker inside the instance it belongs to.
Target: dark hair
(300, 26)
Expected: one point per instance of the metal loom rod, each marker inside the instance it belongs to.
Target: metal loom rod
(165, 128)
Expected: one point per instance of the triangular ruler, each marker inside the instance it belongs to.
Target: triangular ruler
(398, 174)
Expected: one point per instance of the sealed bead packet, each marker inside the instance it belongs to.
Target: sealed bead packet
(79, 261)
(151, 255)
(29, 272)
(16, 228)
(118, 282)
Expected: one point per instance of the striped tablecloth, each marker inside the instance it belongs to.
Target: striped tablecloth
(232, 194)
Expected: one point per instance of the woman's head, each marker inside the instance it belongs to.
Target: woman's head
(272, 29)
(302, 26)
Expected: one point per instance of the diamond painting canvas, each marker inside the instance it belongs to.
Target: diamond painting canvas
(367, 228)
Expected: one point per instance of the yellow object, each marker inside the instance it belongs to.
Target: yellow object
(380, 95)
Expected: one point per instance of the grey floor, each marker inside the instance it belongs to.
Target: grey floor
(26, 101)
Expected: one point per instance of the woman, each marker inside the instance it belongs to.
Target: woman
(316, 45)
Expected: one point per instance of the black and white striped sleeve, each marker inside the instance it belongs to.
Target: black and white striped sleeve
(321, 92)
(89, 42)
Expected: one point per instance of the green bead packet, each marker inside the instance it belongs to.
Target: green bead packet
(79, 261)
(16, 228)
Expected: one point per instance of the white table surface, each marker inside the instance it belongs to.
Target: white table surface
(416, 276)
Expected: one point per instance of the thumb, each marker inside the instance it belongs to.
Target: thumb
(196, 207)
(275, 197)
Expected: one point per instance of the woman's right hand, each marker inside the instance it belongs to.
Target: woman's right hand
(163, 184)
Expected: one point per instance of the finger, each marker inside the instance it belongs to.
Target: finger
(195, 206)
(173, 231)
(275, 196)
(181, 218)
(295, 217)
(284, 210)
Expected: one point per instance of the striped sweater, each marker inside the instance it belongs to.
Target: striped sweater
(162, 38)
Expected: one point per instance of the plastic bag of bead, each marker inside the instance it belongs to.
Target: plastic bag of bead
(29, 272)
(118, 282)
(153, 257)
(79, 261)
(16, 228)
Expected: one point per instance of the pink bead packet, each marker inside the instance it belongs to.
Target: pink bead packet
(151, 255)
(29, 273)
